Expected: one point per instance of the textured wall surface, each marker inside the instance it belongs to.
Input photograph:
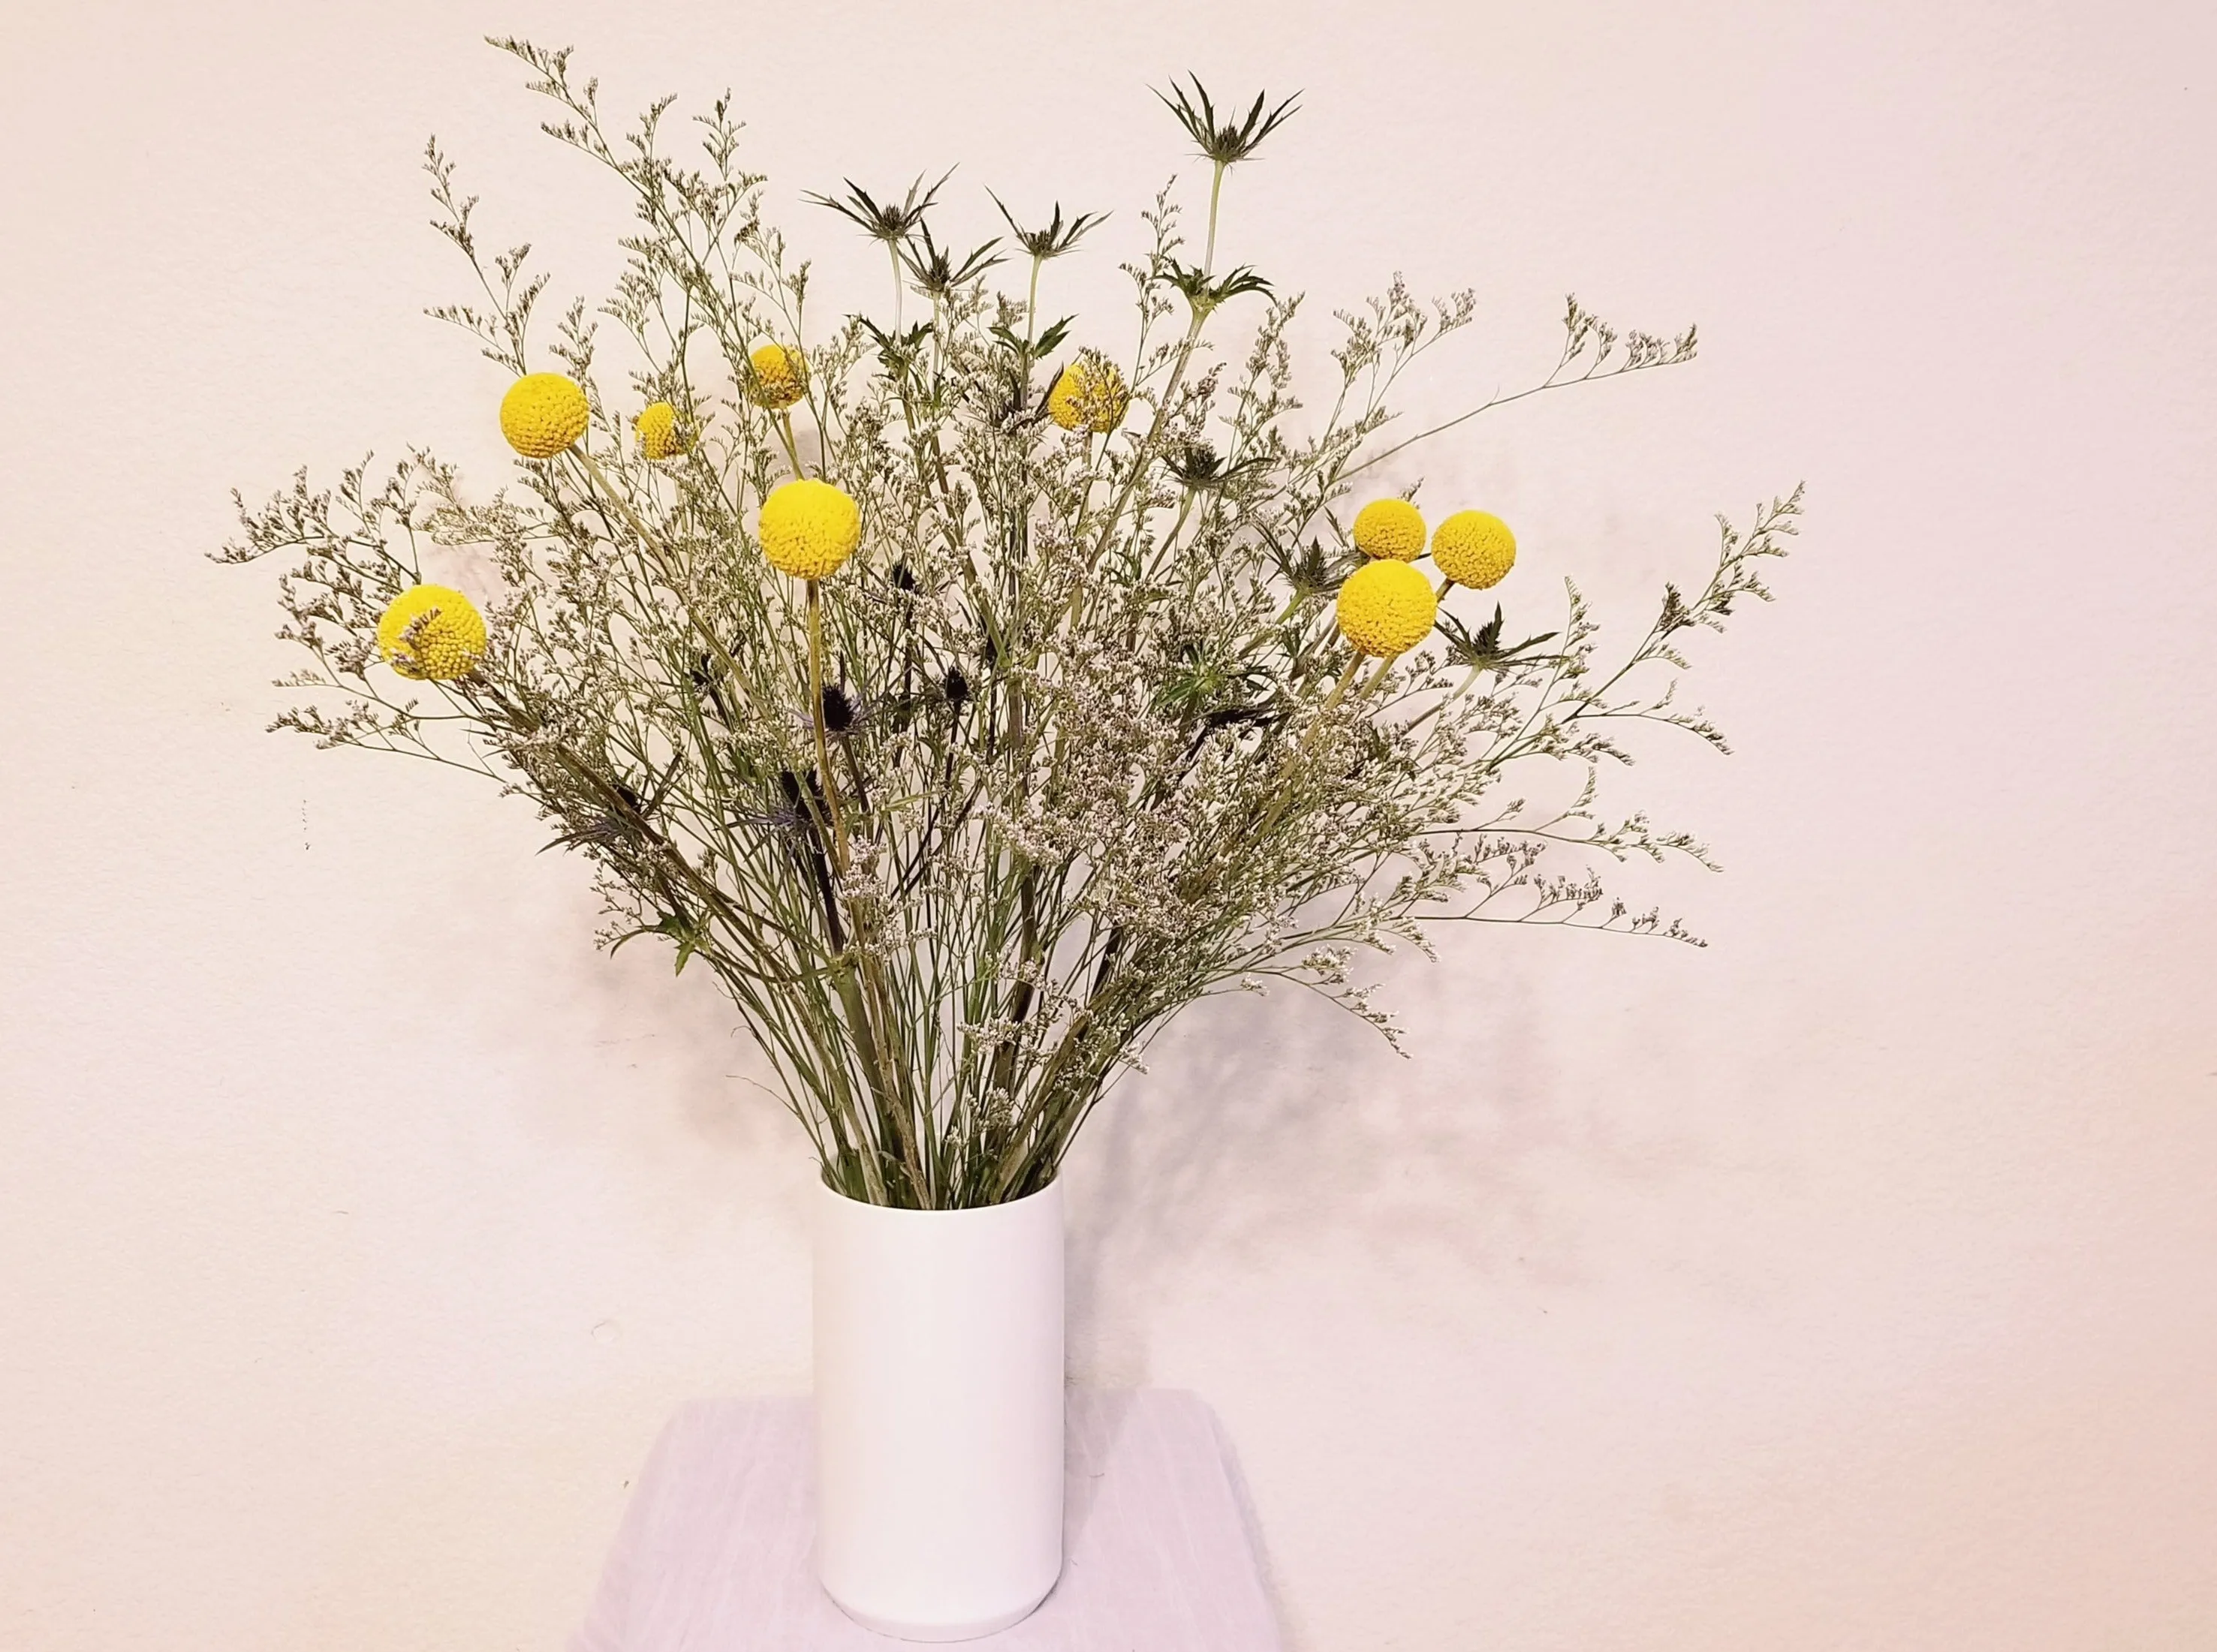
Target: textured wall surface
(1847, 1285)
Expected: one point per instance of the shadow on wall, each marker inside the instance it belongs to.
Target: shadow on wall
(652, 1064)
(1268, 1125)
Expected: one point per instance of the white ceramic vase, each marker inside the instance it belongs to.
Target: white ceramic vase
(939, 1424)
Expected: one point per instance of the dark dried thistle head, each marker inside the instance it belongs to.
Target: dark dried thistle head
(1198, 465)
(1226, 141)
(884, 220)
(786, 814)
(935, 269)
(1056, 238)
(1306, 567)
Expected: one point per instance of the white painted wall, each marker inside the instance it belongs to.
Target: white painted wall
(1848, 1285)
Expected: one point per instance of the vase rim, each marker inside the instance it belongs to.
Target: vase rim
(832, 1193)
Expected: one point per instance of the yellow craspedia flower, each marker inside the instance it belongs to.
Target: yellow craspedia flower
(777, 377)
(1390, 527)
(1090, 394)
(658, 434)
(447, 640)
(1475, 549)
(808, 528)
(542, 414)
(1386, 607)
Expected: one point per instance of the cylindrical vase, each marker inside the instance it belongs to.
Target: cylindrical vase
(939, 1424)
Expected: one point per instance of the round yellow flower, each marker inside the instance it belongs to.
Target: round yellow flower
(1390, 527)
(1474, 549)
(658, 434)
(808, 529)
(432, 633)
(777, 377)
(542, 414)
(1386, 607)
(1090, 394)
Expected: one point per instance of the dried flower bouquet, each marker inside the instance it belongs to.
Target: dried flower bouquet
(972, 692)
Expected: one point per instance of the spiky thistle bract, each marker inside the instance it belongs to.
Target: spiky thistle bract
(1055, 237)
(884, 220)
(1226, 141)
(935, 269)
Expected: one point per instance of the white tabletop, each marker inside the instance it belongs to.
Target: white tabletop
(713, 1554)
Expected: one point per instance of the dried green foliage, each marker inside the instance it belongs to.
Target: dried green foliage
(1088, 748)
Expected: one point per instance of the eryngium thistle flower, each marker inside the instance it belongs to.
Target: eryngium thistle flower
(1386, 607)
(1474, 548)
(776, 377)
(1089, 396)
(542, 414)
(658, 434)
(808, 528)
(1390, 527)
(887, 220)
(432, 633)
(1055, 237)
(1227, 142)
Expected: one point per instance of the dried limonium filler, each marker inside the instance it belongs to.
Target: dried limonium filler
(972, 692)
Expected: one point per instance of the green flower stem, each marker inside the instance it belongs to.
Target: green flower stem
(1215, 193)
(1144, 458)
(829, 781)
(665, 563)
(893, 1105)
(1031, 321)
(783, 420)
(1291, 768)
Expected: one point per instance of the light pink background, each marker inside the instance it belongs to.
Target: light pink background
(1852, 1284)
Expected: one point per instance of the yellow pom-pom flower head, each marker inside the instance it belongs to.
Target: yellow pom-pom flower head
(808, 528)
(1390, 527)
(1475, 549)
(659, 435)
(432, 633)
(543, 413)
(1090, 394)
(1386, 609)
(776, 377)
